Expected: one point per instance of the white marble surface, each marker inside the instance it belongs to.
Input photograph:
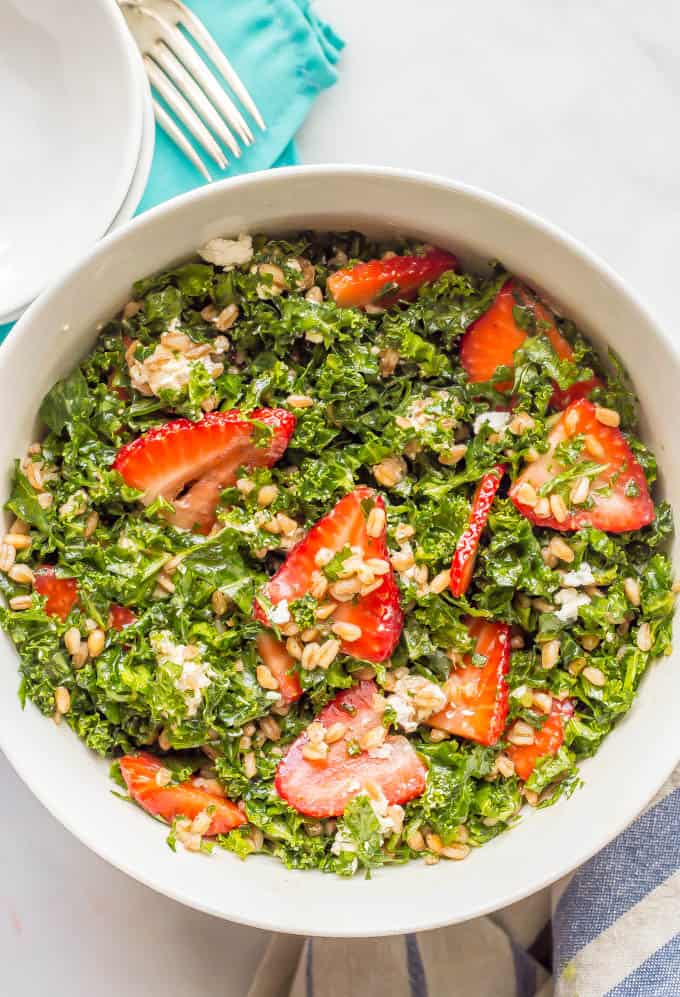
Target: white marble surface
(570, 110)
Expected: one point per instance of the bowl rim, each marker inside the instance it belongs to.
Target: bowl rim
(293, 922)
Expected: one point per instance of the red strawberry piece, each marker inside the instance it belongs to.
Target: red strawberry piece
(465, 554)
(619, 498)
(61, 593)
(324, 788)
(205, 456)
(120, 617)
(183, 800)
(478, 697)
(491, 341)
(563, 397)
(281, 664)
(378, 614)
(547, 741)
(399, 278)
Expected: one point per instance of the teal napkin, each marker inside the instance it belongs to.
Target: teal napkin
(286, 56)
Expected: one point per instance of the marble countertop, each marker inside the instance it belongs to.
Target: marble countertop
(567, 110)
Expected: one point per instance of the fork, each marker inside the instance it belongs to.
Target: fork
(193, 92)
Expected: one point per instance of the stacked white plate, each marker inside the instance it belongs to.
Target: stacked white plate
(77, 137)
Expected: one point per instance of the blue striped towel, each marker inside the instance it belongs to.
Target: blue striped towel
(615, 932)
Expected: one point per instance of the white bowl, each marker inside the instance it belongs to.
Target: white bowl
(71, 122)
(632, 763)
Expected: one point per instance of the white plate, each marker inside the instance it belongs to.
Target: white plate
(61, 327)
(146, 149)
(71, 127)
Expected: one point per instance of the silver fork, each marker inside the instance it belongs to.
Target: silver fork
(192, 91)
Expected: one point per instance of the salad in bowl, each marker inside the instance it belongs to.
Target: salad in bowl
(340, 553)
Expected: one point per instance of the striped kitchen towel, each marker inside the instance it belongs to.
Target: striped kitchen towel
(615, 932)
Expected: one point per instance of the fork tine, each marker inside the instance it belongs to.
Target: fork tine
(184, 111)
(181, 48)
(171, 129)
(198, 31)
(188, 86)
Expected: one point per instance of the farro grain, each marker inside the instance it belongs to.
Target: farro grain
(375, 524)
(631, 587)
(607, 416)
(8, 555)
(265, 677)
(558, 507)
(95, 642)
(550, 653)
(72, 640)
(594, 675)
(267, 494)
(644, 637)
(328, 653)
(347, 631)
(62, 699)
(20, 602)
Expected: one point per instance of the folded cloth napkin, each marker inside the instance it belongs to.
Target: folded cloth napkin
(615, 932)
(286, 56)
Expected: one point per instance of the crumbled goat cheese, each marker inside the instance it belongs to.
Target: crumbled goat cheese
(228, 253)
(342, 843)
(195, 675)
(405, 713)
(390, 818)
(167, 370)
(280, 613)
(414, 700)
(570, 600)
(581, 576)
(497, 420)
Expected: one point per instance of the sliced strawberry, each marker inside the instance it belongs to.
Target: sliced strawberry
(563, 397)
(281, 664)
(619, 497)
(384, 282)
(547, 741)
(324, 788)
(184, 800)
(478, 697)
(465, 554)
(61, 593)
(120, 617)
(203, 455)
(491, 341)
(378, 614)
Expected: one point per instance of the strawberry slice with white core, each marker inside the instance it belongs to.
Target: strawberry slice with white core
(205, 456)
(465, 554)
(142, 774)
(614, 499)
(378, 613)
(322, 787)
(547, 741)
(281, 664)
(384, 282)
(492, 340)
(478, 696)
